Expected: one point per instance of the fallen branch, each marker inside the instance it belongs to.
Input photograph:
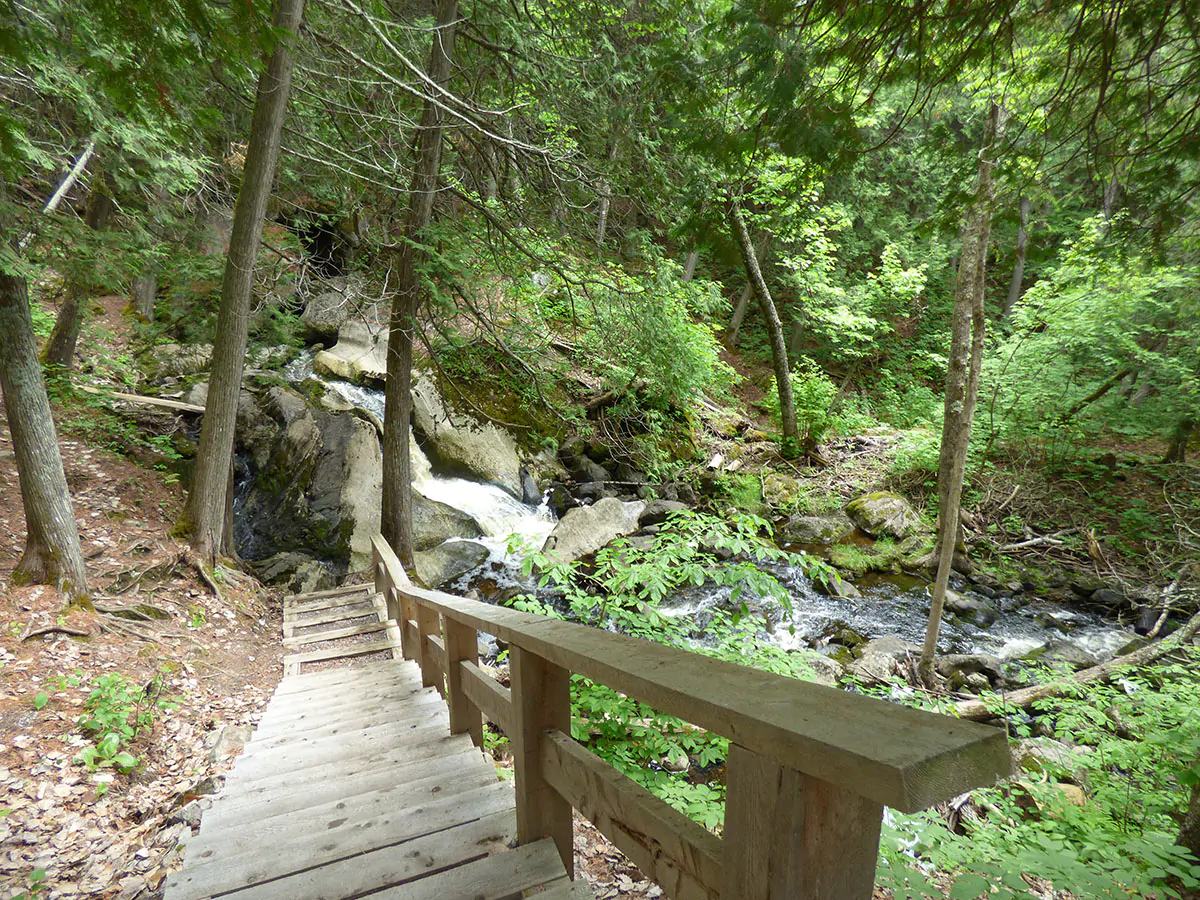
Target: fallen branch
(1023, 699)
(56, 629)
(1052, 539)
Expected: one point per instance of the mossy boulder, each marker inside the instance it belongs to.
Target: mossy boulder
(884, 514)
(780, 491)
(814, 529)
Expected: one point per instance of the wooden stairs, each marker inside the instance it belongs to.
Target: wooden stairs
(353, 786)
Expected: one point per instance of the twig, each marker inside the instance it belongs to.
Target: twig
(56, 629)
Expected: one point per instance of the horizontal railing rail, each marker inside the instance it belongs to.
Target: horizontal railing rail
(809, 771)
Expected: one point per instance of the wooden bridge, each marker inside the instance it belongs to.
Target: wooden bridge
(363, 782)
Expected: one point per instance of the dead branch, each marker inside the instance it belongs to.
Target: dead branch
(56, 629)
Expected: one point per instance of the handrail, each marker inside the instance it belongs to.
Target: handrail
(809, 770)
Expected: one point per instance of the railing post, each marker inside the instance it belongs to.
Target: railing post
(789, 836)
(428, 623)
(541, 698)
(462, 645)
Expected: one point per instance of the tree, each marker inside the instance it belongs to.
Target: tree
(962, 377)
(396, 523)
(205, 515)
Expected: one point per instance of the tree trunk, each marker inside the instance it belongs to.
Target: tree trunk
(1112, 197)
(783, 381)
(1177, 449)
(396, 520)
(204, 515)
(795, 335)
(743, 304)
(605, 201)
(1189, 834)
(962, 379)
(52, 552)
(145, 291)
(689, 266)
(60, 349)
(1014, 286)
(491, 184)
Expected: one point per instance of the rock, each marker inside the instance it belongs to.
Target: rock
(316, 484)
(814, 529)
(884, 514)
(1060, 652)
(585, 471)
(298, 573)
(435, 523)
(658, 511)
(1073, 794)
(1043, 754)
(360, 354)
(1085, 585)
(957, 667)
(779, 490)
(594, 490)
(529, 489)
(837, 586)
(227, 741)
(586, 529)
(327, 312)
(197, 394)
(825, 671)
(971, 609)
(189, 814)
(877, 659)
(845, 636)
(629, 475)
(448, 562)
(1133, 646)
(460, 445)
(560, 500)
(1107, 597)
(178, 360)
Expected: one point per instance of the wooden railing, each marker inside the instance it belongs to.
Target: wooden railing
(809, 770)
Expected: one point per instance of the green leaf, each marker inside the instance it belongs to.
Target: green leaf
(40, 700)
(968, 887)
(125, 761)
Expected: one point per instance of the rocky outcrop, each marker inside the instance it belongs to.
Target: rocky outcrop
(434, 523)
(359, 355)
(178, 360)
(657, 512)
(814, 529)
(975, 610)
(973, 671)
(779, 490)
(884, 514)
(326, 312)
(586, 529)
(449, 562)
(878, 659)
(458, 444)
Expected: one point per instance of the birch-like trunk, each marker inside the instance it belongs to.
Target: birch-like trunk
(779, 356)
(743, 304)
(962, 378)
(1018, 275)
(60, 348)
(52, 552)
(205, 513)
(396, 519)
(689, 265)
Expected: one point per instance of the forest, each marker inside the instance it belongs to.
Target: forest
(858, 343)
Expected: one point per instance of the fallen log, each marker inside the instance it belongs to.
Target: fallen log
(173, 405)
(1025, 698)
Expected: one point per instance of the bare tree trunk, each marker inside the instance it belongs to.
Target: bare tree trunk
(689, 266)
(962, 379)
(52, 552)
(204, 515)
(1112, 197)
(145, 292)
(1189, 833)
(490, 181)
(396, 519)
(605, 200)
(512, 175)
(795, 335)
(1177, 449)
(1014, 286)
(743, 304)
(60, 349)
(783, 381)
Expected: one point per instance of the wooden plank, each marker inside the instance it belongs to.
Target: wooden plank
(789, 836)
(314, 787)
(497, 877)
(412, 639)
(670, 849)
(462, 645)
(335, 634)
(345, 765)
(906, 758)
(361, 674)
(324, 708)
(137, 399)
(429, 625)
(319, 752)
(339, 614)
(570, 890)
(290, 733)
(300, 608)
(487, 695)
(218, 841)
(541, 693)
(339, 652)
(344, 590)
(388, 850)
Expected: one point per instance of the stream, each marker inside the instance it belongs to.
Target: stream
(889, 605)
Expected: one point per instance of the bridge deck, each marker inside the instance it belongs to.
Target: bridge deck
(353, 786)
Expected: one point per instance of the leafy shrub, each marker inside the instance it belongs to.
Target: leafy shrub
(813, 394)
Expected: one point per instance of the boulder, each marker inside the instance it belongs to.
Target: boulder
(586, 529)
(970, 609)
(779, 490)
(435, 522)
(1065, 652)
(957, 668)
(360, 354)
(877, 659)
(197, 394)
(529, 489)
(327, 312)
(178, 360)
(448, 562)
(814, 529)
(295, 572)
(837, 586)
(460, 445)
(1107, 597)
(1045, 755)
(825, 671)
(658, 511)
(884, 514)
